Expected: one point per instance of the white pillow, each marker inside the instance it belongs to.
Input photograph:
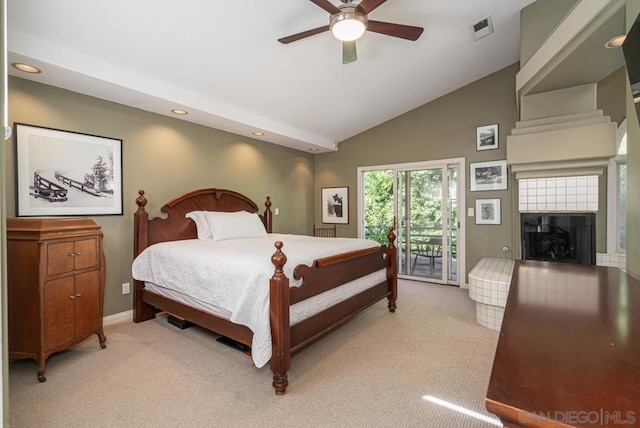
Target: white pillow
(235, 225)
(202, 225)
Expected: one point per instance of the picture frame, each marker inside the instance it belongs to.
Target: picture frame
(490, 175)
(488, 211)
(66, 173)
(487, 137)
(335, 205)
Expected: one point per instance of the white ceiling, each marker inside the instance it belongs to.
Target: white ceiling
(221, 60)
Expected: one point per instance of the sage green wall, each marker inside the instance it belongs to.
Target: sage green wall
(444, 128)
(165, 157)
(633, 168)
(537, 21)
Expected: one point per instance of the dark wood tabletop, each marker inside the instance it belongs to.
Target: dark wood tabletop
(569, 348)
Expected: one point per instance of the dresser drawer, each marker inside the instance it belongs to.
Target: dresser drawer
(67, 256)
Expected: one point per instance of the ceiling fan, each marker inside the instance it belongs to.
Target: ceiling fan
(348, 22)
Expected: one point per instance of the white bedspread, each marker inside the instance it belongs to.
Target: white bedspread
(234, 274)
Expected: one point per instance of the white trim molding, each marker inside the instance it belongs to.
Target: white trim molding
(118, 318)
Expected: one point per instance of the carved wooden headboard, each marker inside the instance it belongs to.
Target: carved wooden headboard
(176, 227)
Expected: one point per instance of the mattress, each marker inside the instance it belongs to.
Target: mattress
(231, 278)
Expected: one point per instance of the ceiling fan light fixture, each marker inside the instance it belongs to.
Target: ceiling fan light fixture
(348, 26)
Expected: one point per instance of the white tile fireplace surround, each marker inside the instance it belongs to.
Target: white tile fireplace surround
(566, 194)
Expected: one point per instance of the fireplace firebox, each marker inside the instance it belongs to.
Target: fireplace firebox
(559, 237)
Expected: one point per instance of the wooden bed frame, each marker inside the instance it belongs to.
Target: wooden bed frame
(323, 275)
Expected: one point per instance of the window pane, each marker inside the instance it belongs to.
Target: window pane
(378, 204)
(622, 148)
(622, 208)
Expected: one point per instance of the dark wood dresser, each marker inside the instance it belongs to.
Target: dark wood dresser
(56, 272)
(569, 348)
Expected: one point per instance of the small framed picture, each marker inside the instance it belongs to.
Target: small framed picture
(488, 211)
(490, 175)
(335, 205)
(487, 137)
(64, 173)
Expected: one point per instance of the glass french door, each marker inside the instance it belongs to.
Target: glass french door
(423, 200)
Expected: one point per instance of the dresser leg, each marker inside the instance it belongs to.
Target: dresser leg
(102, 338)
(41, 376)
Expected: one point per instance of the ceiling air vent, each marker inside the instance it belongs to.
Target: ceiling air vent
(482, 28)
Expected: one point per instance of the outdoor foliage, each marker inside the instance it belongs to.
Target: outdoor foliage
(425, 201)
(378, 210)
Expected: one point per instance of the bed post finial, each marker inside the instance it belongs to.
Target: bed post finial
(279, 300)
(141, 201)
(391, 237)
(279, 259)
(268, 218)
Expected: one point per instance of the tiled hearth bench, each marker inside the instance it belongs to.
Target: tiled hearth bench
(489, 286)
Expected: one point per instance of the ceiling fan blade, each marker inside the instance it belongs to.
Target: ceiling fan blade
(407, 32)
(349, 53)
(367, 6)
(295, 37)
(326, 5)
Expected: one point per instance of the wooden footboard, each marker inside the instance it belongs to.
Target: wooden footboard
(325, 274)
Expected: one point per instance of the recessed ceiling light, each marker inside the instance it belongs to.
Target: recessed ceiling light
(180, 112)
(26, 68)
(258, 133)
(314, 149)
(616, 42)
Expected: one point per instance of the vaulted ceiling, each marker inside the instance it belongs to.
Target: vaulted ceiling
(221, 61)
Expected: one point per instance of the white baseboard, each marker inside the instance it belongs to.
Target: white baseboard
(119, 317)
(464, 286)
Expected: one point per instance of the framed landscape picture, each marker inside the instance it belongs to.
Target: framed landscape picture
(487, 137)
(335, 205)
(488, 175)
(63, 173)
(488, 211)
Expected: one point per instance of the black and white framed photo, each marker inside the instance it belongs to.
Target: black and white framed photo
(487, 137)
(64, 173)
(490, 175)
(488, 211)
(335, 205)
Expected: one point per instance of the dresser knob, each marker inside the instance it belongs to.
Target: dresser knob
(79, 295)
(72, 254)
(78, 253)
(72, 297)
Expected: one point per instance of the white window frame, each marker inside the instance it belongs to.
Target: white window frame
(613, 196)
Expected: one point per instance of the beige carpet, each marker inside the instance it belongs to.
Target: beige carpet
(374, 371)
